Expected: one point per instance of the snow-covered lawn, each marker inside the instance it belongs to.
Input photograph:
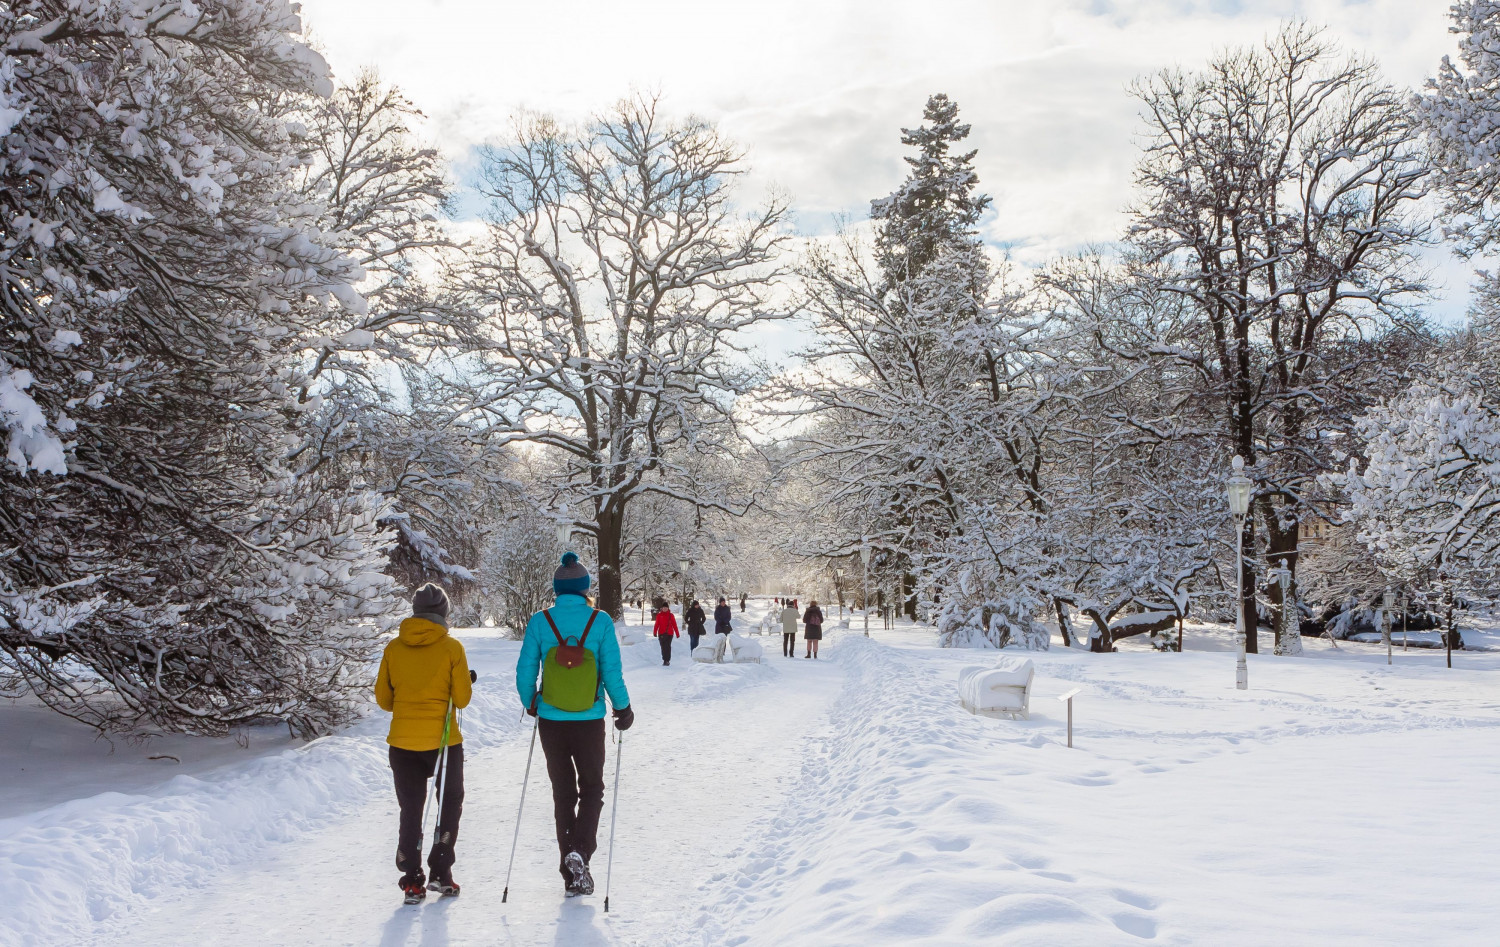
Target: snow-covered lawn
(850, 801)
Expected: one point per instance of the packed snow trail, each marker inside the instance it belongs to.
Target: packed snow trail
(714, 750)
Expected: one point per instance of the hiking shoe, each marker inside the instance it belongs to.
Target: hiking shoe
(413, 890)
(583, 882)
(447, 887)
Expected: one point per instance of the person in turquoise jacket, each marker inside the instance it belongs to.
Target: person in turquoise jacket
(573, 741)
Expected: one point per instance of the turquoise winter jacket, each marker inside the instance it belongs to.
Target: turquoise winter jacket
(571, 613)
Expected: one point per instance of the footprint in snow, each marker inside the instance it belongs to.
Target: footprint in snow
(1135, 925)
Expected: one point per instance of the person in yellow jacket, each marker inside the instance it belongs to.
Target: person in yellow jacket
(422, 670)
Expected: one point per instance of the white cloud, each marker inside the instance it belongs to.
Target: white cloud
(816, 91)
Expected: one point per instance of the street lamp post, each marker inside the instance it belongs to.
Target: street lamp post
(864, 557)
(1238, 488)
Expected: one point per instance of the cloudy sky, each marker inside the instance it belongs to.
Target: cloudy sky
(817, 90)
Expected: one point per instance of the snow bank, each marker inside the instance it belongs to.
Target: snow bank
(89, 860)
(84, 861)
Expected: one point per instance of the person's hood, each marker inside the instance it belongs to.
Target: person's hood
(420, 632)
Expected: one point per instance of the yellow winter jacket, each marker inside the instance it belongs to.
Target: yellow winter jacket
(419, 671)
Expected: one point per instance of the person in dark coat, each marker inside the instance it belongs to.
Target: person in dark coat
(697, 623)
(812, 628)
(723, 618)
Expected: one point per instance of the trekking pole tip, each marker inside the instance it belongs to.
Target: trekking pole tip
(606, 904)
(505, 894)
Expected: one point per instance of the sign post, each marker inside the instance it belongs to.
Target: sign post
(1068, 699)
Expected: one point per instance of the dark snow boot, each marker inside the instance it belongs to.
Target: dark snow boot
(414, 889)
(583, 882)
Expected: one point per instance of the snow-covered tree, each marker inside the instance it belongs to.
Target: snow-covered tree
(161, 562)
(1278, 198)
(1427, 500)
(616, 282)
(1460, 110)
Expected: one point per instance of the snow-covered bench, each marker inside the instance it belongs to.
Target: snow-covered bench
(1000, 691)
(745, 650)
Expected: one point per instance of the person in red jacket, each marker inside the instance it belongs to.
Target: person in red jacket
(665, 630)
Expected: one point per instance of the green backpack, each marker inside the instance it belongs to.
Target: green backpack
(570, 675)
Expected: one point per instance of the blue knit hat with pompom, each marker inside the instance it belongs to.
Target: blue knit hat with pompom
(571, 576)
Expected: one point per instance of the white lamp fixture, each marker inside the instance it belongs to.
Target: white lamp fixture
(1238, 488)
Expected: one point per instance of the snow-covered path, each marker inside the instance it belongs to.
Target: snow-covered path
(850, 801)
(714, 751)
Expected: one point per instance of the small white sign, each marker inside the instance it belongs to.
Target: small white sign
(1070, 694)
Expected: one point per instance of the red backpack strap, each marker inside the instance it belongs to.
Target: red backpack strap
(548, 615)
(585, 637)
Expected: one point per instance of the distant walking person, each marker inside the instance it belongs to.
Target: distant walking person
(423, 678)
(573, 647)
(789, 631)
(744, 598)
(665, 630)
(723, 618)
(697, 625)
(812, 630)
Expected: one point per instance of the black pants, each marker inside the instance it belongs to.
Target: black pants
(411, 770)
(575, 764)
(666, 648)
(788, 643)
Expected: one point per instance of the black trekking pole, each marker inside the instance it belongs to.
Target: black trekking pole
(609, 868)
(441, 783)
(505, 895)
(427, 799)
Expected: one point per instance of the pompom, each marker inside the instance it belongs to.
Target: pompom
(569, 558)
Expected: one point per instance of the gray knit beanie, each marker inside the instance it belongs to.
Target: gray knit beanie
(431, 602)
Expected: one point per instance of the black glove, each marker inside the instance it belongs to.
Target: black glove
(473, 676)
(624, 717)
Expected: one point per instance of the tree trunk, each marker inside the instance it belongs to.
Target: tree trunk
(1062, 622)
(1281, 558)
(1247, 599)
(1104, 642)
(608, 534)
